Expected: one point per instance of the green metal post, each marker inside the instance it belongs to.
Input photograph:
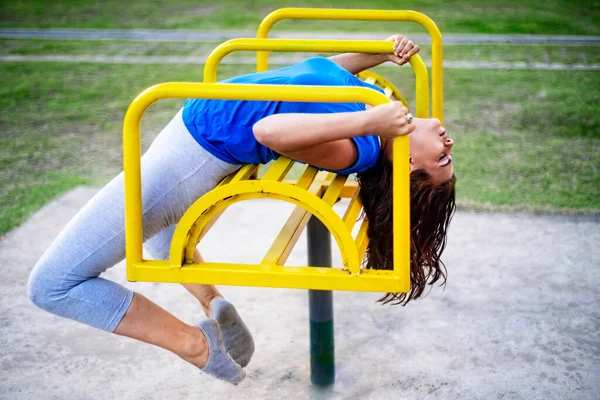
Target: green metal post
(320, 302)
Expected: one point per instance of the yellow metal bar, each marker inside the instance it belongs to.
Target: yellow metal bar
(262, 275)
(388, 87)
(290, 233)
(364, 15)
(422, 87)
(350, 188)
(227, 179)
(248, 171)
(352, 212)
(196, 234)
(283, 244)
(244, 173)
(291, 45)
(307, 178)
(335, 189)
(278, 170)
(288, 236)
(362, 239)
(361, 46)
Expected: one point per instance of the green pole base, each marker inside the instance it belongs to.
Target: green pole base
(322, 357)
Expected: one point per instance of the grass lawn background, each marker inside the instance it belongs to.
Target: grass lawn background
(574, 17)
(492, 53)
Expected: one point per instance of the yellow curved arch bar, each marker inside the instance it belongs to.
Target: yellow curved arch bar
(201, 212)
(365, 15)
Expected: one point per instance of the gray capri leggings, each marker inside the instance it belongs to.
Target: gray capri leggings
(176, 171)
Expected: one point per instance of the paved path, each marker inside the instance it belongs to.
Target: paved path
(216, 36)
(290, 59)
(519, 319)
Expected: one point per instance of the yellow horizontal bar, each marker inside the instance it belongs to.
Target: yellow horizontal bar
(262, 57)
(278, 170)
(227, 179)
(364, 46)
(347, 192)
(335, 189)
(270, 275)
(244, 173)
(307, 177)
(292, 45)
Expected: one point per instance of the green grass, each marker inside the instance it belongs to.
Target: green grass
(578, 17)
(528, 171)
(493, 53)
(18, 203)
(524, 139)
(103, 47)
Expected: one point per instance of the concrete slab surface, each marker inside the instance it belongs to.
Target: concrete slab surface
(519, 319)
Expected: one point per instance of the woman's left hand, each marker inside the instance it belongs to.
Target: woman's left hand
(404, 49)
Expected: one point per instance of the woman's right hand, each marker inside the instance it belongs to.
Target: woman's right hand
(389, 120)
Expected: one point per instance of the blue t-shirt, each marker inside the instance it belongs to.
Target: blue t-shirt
(224, 127)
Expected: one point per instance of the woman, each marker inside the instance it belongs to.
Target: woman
(209, 139)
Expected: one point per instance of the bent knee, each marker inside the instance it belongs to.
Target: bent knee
(44, 287)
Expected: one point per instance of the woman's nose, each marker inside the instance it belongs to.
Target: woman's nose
(449, 142)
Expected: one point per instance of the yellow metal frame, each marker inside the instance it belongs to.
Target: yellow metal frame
(262, 57)
(327, 46)
(312, 193)
(180, 268)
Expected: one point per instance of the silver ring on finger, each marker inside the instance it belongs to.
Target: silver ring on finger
(409, 117)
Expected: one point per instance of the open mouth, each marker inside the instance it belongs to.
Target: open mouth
(446, 159)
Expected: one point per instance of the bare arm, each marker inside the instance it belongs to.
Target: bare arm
(324, 140)
(358, 62)
(293, 132)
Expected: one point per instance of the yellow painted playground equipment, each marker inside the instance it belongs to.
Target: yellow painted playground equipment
(312, 193)
(437, 90)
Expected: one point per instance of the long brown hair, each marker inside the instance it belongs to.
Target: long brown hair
(432, 206)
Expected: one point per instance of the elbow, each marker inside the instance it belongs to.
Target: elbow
(262, 133)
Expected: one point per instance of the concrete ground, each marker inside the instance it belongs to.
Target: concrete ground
(519, 319)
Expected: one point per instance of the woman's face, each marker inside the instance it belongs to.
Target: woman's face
(429, 149)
